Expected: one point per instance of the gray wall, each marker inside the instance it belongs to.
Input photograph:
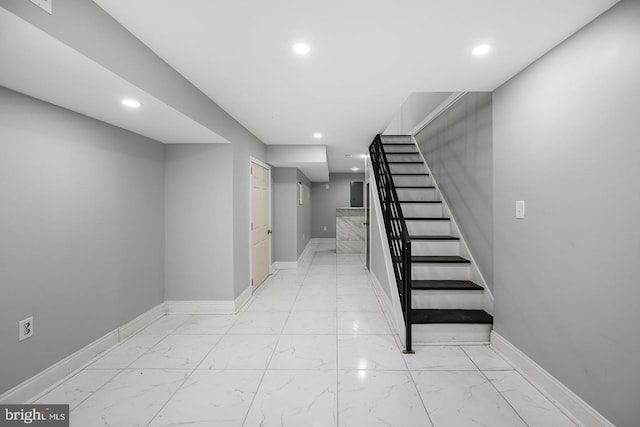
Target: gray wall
(285, 197)
(377, 263)
(303, 214)
(85, 27)
(566, 140)
(245, 146)
(292, 221)
(199, 214)
(415, 109)
(457, 146)
(326, 200)
(82, 226)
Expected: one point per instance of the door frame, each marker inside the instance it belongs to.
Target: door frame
(253, 160)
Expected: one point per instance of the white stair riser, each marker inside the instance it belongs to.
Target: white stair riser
(451, 333)
(416, 193)
(400, 180)
(403, 157)
(431, 210)
(435, 247)
(463, 300)
(407, 168)
(438, 228)
(422, 271)
(400, 148)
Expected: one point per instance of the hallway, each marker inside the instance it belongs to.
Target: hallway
(312, 347)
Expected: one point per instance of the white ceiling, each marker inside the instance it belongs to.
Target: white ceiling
(45, 68)
(367, 57)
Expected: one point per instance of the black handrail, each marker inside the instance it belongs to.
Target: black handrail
(396, 227)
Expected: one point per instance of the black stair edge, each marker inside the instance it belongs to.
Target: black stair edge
(410, 173)
(420, 201)
(428, 237)
(415, 187)
(416, 218)
(449, 285)
(439, 259)
(398, 143)
(424, 316)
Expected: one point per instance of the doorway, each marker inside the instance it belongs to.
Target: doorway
(260, 223)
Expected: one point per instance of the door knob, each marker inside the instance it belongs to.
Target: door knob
(269, 232)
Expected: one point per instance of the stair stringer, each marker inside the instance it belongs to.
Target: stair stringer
(391, 305)
(476, 274)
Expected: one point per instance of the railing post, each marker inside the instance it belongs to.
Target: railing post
(407, 294)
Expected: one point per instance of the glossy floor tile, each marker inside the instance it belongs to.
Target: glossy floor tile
(296, 399)
(461, 398)
(311, 348)
(380, 398)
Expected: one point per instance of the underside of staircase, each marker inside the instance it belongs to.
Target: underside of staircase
(442, 300)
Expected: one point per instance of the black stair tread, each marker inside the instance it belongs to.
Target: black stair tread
(456, 285)
(437, 259)
(425, 218)
(398, 143)
(425, 316)
(409, 173)
(420, 201)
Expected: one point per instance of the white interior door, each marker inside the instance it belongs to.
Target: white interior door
(260, 221)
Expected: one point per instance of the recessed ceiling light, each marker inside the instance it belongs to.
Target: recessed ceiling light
(131, 103)
(301, 48)
(481, 49)
(317, 135)
(355, 169)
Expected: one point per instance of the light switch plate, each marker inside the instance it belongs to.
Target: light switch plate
(520, 209)
(44, 5)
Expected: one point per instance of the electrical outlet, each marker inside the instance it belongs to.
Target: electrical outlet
(25, 329)
(324, 228)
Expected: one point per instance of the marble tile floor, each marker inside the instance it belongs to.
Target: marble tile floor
(312, 348)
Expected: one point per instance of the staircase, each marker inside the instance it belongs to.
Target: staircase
(440, 299)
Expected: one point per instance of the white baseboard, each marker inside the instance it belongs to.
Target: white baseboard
(34, 386)
(140, 322)
(242, 299)
(200, 307)
(285, 265)
(566, 400)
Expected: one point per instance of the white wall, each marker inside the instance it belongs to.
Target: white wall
(566, 140)
(82, 226)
